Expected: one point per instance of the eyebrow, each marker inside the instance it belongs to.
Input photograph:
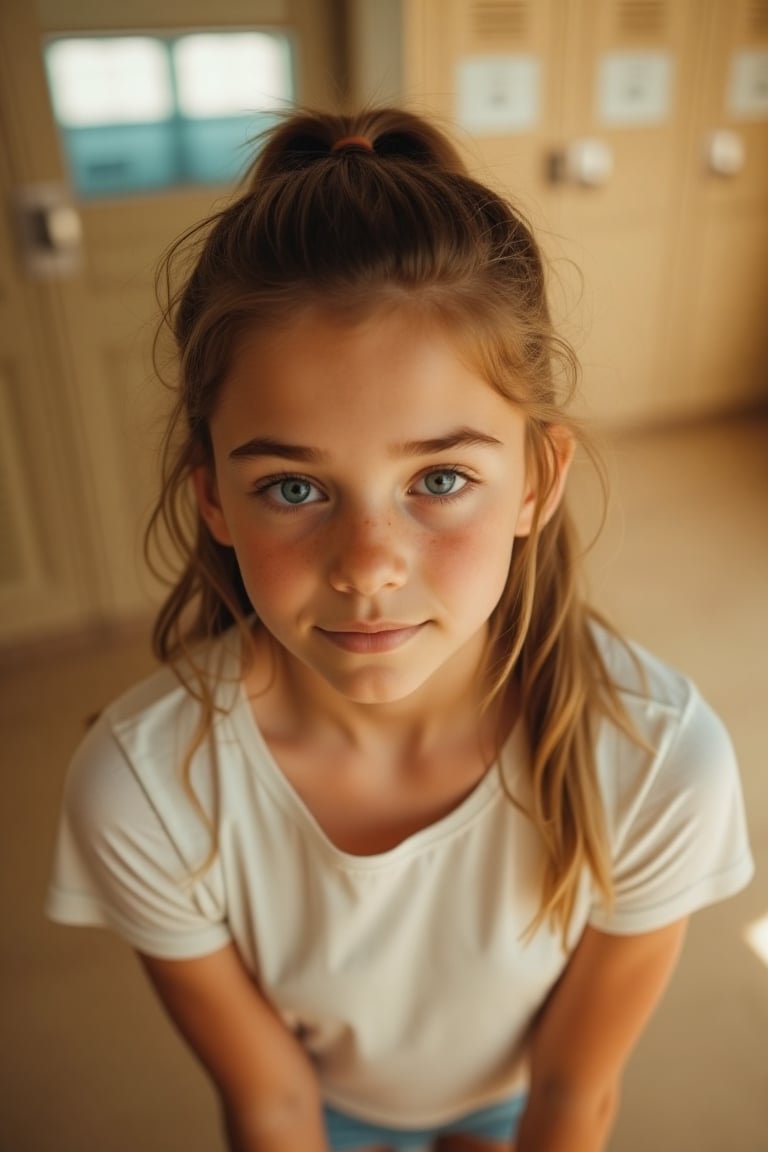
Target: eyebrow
(460, 438)
(266, 446)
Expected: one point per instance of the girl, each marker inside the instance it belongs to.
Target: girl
(405, 836)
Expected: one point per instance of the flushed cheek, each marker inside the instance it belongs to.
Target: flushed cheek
(276, 579)
(471, 566)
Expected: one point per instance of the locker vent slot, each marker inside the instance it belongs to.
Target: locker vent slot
(641, 17)
(500, 19)
(757, 17)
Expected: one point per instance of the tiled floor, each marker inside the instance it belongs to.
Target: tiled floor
(88, 1064)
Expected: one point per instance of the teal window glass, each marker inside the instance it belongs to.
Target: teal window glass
(139, 113)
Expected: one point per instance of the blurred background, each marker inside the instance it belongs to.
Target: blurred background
(634, 135)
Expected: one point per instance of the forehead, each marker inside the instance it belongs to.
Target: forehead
(402, 371)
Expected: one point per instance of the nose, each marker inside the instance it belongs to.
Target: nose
(368, 556)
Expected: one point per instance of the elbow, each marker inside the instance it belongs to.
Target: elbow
(292, 1118)
(588, 1107)
(606, 1106)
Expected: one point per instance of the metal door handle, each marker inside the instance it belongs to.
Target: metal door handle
(587, 162)
(49, 230)
(726, 153)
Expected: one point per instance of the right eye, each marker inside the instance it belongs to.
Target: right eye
(290, 491)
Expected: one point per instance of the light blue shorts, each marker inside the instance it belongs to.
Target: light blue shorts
(499, 1122)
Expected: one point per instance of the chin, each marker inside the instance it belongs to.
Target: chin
(376, 686)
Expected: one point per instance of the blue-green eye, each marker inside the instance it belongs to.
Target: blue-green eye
(295, 490)
(443, 482)
(290, 491)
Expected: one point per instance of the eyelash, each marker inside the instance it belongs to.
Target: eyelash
(262, 488)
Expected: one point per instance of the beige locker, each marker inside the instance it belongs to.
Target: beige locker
(630, 67)
(510, 53)
(721, 315)
(600, 171)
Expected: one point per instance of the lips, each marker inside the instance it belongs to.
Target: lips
(379, 636)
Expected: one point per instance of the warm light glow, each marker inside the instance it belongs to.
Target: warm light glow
(756, 935)
(231, 74)
(120, 80)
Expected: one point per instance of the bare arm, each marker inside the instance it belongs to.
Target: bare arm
(586, 1032)
(267, 1085)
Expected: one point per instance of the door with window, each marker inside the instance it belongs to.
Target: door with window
(120, 126)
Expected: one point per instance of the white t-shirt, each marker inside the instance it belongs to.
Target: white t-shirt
(404, 973)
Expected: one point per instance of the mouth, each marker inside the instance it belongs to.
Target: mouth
(371, 637)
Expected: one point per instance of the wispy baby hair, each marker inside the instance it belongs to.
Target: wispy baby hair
(351, 215)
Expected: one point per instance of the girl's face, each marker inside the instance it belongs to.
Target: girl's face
(372, 486)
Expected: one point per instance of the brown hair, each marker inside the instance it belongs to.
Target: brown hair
(399, 223)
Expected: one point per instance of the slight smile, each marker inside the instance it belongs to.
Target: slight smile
(364, 638)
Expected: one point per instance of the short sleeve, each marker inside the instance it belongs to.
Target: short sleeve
(676, 820)
(116, 864)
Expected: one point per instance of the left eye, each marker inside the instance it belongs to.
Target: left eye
(443, 482)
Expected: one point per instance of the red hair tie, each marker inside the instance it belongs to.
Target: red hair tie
(361, 142)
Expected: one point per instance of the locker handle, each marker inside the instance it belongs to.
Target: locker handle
(587, 162)
(49, 230)
(726, 153)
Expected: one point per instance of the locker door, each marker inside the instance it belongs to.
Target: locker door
(630, 77)
(723, 284)
(489, 70)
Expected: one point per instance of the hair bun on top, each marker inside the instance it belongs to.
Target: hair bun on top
(306, 138)
(358, 143)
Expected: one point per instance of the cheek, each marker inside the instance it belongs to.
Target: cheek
(473, 562)
(276, 575)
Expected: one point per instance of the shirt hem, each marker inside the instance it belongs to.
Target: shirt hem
(411, 1122)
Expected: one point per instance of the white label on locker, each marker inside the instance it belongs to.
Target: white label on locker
(497, 94)
(748, 92)
(634, 88)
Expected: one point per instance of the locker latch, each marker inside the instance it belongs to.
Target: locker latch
(48, 230)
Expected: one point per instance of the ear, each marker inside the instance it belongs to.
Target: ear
(207, 493)
(560, 448)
